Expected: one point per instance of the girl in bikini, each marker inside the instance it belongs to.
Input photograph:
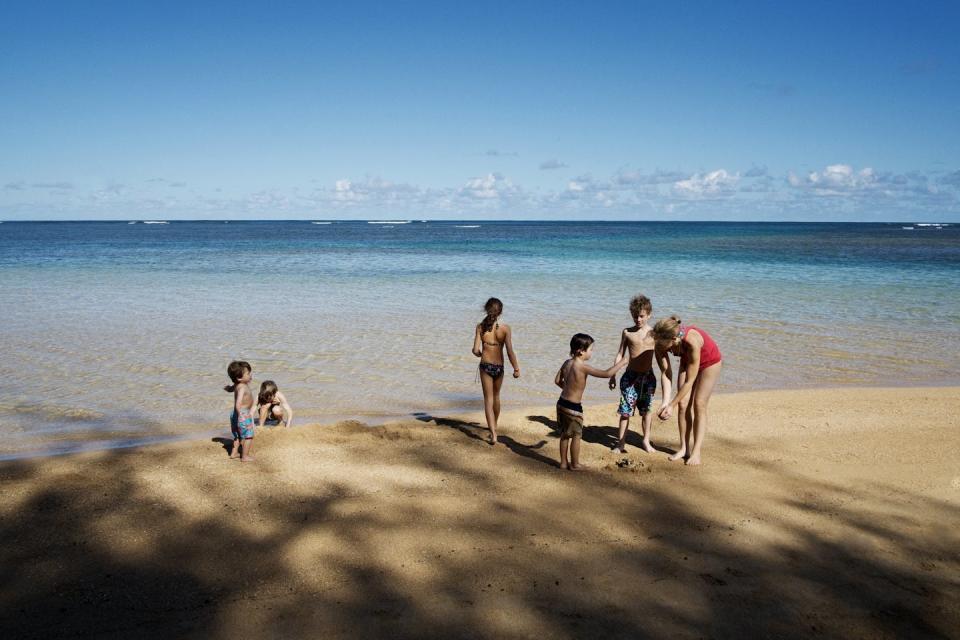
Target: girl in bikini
(700, 365)
(489, 339)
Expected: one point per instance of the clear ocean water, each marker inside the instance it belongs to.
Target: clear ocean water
(117, 333)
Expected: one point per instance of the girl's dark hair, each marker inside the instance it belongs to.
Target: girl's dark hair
(235, 370)
(493, 308)
(268, 391)
(580, 342)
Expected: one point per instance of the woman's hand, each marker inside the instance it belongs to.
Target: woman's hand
(613, 382)
(665, 412)
(516, 373)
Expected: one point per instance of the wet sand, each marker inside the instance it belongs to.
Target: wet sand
(832, 513)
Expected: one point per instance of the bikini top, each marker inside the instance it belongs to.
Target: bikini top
(494, 332)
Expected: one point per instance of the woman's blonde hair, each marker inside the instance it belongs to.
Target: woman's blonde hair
(666, 330)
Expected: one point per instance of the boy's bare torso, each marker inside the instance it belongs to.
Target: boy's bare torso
(242, 392)
(640, 346)
(574, 380)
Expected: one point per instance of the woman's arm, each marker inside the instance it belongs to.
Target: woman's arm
(666, 377)
(508, 342)
(477, 351)
(692, 369)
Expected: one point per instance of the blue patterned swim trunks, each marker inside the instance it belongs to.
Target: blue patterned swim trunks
(636, 391)
(241, 426)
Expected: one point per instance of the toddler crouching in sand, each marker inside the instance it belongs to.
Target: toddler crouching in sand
(241, 420)
(572, 378)
(272, 405)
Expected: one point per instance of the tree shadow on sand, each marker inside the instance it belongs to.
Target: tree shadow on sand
(593, 555)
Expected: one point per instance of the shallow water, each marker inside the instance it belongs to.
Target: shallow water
(117, 333)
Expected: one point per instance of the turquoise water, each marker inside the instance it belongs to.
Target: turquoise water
(119, 333)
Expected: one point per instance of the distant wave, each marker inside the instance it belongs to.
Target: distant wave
(134, 222)
(466, 226)
(388, 222)
(321, 222)
(932, 224)
(907, 228)
(155, 222)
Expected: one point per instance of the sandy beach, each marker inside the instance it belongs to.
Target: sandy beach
(828, 513)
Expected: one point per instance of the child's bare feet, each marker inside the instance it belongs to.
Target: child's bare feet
(646, 446)
(235, 451)
(492, 440)
(682, 453)
(576, 467)
(693, 459)
(247, 459)
(564, 467)
(619, 448)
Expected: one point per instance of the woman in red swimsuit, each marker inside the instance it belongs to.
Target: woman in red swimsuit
(700, 365)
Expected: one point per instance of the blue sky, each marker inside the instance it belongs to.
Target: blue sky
(698, 111)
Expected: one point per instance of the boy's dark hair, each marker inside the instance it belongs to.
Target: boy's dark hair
(236, 368)
(640, 303)
(580, 342)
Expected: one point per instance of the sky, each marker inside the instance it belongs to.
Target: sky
(510, 111)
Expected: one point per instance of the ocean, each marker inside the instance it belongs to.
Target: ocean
(117, 333)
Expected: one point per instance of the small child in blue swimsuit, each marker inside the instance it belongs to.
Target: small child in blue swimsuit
(638, 383)
(241, 420)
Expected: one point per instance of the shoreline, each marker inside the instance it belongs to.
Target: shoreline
(93, 446)
(815, 512)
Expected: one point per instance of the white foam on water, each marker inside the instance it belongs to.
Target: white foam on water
(467, 226)
(907, 228)
(315, 222)
(155, 222)
(388, 222)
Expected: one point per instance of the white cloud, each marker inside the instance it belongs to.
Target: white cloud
(711, 184)
(492, 185)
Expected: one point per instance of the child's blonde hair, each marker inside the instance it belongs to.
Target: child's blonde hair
(268, 391)
(640, 303)
(666, 330)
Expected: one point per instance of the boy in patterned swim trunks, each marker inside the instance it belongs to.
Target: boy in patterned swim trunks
(638, 383)
(572, 378)
(241, 420)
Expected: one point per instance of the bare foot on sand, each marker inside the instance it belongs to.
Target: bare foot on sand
(692, 460)
(492, 440)
(646, 446)
(578, 467)
(679, 454)
(619, 448)
(248, 459)
(234, 452)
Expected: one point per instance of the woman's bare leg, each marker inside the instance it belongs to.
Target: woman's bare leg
(497, 384)
(490, 400)
(682, 422)
(706, 381)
